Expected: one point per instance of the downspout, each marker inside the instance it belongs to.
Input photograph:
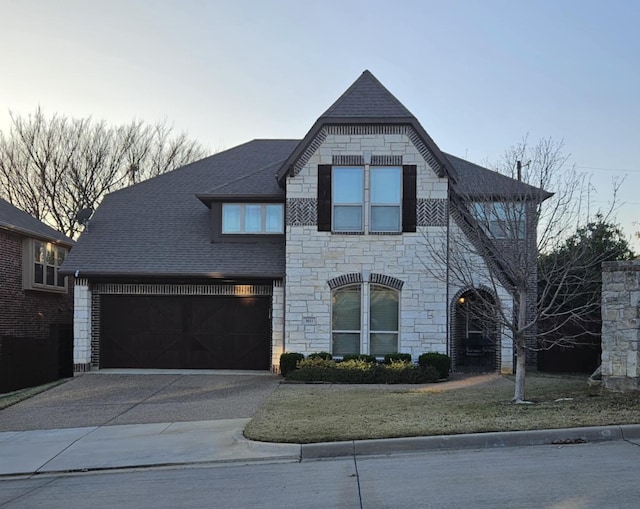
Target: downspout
(448, 304)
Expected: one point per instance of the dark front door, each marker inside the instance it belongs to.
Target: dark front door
(185, 332)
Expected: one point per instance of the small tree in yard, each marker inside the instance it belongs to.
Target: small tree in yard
(497, 241)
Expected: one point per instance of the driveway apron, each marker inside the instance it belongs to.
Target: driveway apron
(103, 399)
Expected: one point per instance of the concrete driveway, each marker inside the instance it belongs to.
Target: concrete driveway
(109, 398)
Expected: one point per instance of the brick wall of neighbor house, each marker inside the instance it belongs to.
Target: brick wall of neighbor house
(621, 325)
(27, 313)
(314, 258)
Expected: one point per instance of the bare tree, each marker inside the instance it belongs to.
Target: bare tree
(495, 240)
(53, 167)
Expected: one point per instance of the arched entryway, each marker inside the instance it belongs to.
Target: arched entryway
(476, 345)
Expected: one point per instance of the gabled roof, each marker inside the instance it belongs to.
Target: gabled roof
(159, 227)
(368, 102)
(478, 183)
(16, 220)
(367, 98)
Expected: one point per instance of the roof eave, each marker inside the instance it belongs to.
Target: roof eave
(287, 166)
(39, 236)
(208, 199)
(80, 273)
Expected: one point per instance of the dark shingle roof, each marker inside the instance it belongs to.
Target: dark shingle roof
(477, 182)
(367, 102)
(367, 97)
(160, 227)
(14, 219)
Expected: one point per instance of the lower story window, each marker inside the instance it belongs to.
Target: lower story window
(352, 332)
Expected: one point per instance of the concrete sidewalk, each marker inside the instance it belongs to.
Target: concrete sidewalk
(25, 453)
(133, 445)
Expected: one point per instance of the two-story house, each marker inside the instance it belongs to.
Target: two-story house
(320, 244)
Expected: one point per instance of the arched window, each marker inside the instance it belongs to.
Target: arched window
(346, 319)
(383, 320)
(365, 319)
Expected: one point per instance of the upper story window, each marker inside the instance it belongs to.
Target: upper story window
(386, 199)
(348, 199)
(42, 261)
(376, 199)
(252, 218)
(501, 220)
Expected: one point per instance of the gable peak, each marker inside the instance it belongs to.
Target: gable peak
(367, 98)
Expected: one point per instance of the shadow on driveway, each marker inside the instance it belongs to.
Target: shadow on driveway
(102, 398)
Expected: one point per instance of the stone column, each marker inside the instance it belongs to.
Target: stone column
(81, 326)
(621, 325)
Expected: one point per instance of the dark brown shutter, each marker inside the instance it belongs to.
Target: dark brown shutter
(324, 197)
(409, 201)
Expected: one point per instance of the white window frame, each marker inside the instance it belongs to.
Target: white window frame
(29, 262)
(365, 331)
(263, 219)
(397, 205)
(366, 205)
(355, 204)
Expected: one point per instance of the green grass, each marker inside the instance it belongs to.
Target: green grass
(302, 413)
(11, 398)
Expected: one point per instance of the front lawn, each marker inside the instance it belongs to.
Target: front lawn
(306, 413)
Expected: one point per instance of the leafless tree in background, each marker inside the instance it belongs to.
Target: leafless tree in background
(498, 242)
(53, 167)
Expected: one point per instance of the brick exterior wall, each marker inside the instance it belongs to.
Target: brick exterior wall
(27, 313)
(316, 258)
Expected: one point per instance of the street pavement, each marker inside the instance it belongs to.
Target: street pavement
(86, 425)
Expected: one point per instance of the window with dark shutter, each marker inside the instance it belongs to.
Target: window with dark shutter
(409, 201)
(324, 197)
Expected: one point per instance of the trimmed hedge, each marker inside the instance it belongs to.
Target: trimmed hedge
(320, 355)
(289, 362)
(358, 371)
(397, 356)
(440, 361)
(360, 357)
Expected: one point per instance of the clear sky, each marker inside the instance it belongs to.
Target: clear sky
(478, 75)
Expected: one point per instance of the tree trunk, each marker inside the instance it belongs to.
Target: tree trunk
(520, 341)
(521, 361)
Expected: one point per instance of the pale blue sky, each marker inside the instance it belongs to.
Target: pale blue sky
(479, 75)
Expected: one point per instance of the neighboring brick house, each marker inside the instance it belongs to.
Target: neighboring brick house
(33, 295)
(295, 245)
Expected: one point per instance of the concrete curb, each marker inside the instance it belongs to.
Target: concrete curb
(469, 441)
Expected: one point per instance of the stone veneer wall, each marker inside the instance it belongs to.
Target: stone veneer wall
(621, 325)
(314, 258)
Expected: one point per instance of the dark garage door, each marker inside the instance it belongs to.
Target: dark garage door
(185, 332)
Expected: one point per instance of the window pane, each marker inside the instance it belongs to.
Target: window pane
(59, 280)
(51, 255)
(346, 343)
(347, 218)
(347, 185)
(385, 219)
(61, 254)
(346, 309)
(38, 252)
(51, 274)
(231, 218)
(384, 309)
(38, 273)
(274, 218)
(383, 343)
(252, 218)
(385, 185)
